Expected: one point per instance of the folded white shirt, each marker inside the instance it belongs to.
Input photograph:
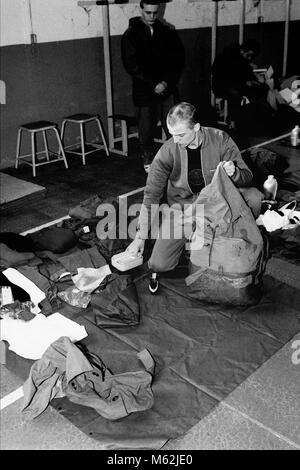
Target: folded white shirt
(31, 339)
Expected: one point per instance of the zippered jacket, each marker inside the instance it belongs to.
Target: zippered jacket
(169, 170)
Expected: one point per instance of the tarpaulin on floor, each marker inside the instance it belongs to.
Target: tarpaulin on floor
(202, 353)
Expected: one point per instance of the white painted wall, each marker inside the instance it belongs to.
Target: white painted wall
(60, 20)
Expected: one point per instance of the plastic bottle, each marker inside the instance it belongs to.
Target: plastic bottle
(295, 136)
(270, 188)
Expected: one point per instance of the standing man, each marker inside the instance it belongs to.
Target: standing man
(184, 165)
(153, 55)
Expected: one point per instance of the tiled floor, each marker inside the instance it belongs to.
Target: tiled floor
(262, 413)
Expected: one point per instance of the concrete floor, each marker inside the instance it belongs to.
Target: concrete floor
(262, 413)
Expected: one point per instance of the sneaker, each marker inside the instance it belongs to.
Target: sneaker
(153, 285)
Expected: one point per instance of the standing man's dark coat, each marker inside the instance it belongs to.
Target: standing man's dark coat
(150, 59)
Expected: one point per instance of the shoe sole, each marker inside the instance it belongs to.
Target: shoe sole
(153, 291)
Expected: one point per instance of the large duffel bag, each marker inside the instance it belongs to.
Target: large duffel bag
(228, 252)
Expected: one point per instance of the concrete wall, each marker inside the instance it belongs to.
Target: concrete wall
(63, 72)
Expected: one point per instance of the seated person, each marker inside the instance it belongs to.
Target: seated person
(184, 165)
(233, 77)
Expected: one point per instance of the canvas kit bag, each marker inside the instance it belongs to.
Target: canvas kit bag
(228, 251)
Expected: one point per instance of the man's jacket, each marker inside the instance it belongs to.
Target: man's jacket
(169, 170)
(64, 370)
(150, 59)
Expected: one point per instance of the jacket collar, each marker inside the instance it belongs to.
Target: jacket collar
(203, 131)
(138, 24)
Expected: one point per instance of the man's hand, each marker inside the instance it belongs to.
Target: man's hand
(136, 247)
(160, 88)
(229, 167)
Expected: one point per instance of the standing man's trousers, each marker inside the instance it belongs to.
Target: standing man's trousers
(147, 118)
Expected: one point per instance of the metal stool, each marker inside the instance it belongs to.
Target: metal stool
(33, 128)
(83, 119)
(126, 122)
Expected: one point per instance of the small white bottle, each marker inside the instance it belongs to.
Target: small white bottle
(295, 136)
(270, 188)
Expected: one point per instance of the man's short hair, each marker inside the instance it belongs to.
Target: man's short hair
(183, 112)
(149, 2)
(251, 45)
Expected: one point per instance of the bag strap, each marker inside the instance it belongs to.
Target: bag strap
(264, 256)
(211, 244)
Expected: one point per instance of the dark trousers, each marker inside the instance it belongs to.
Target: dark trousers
(147, 118)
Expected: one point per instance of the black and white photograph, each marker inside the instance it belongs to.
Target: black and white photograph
(149, 228)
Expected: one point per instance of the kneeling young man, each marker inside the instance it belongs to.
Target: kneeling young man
(183, 166)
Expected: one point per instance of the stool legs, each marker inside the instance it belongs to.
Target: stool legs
(82, 143)
(33, 153)
(61, 148)
(62, 133)
(124, 136)
(62, 130)
(102, 136)
(46, 145)
(18, 148)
